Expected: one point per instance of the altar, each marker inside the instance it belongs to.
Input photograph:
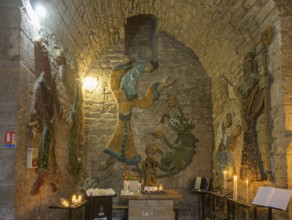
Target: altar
(151, 205)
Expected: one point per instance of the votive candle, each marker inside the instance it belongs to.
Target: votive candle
(235, 187)
(74, 199)
(224, 179)
(160, 188)
(246, 192)
(79, 199)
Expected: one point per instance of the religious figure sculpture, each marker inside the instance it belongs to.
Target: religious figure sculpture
(226, 146)
(251, 97)
(149, 166)
(123, 82)
(65, 105)
(69, 113)
(75, 139)
(42, 119)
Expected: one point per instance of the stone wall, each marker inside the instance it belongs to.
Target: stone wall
(286, 67)
(25, 205)
(9, 73)
(219, 33)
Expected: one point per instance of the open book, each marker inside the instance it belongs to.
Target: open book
(272, 197)
(202, 183)
(198, 182)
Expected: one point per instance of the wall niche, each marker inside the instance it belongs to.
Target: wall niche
(192, 89)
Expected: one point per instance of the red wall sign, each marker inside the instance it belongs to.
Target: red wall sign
(9, 139)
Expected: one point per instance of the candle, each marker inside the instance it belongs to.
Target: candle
(126, 185)
(246, 192)
(64, 202)
(74, 199)
(160, 188)
(224, 179)
(235, 187)
(79, 199)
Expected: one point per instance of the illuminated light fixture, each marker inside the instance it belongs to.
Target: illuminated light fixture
(90, 83)
(38, 8)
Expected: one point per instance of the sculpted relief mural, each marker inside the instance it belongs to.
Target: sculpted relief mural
(162, 92)
(53, 99)
(42, 118)
(182, 149)
(123, 81)
(252, 100)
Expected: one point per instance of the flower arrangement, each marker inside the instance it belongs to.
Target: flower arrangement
(131, 183)
(129, 175)
(100, 192)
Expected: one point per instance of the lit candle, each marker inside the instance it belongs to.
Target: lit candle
(224, 179)
(246, 196)
(79, 200)
(64, 202)
(235, 187)
(74, 199)
(160, 187)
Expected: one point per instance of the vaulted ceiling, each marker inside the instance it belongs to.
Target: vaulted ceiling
(216, 30)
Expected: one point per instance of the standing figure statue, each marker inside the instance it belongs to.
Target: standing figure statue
(226, 147)
(149, 166)
(41, 121)
(123, 81)
(251, 97)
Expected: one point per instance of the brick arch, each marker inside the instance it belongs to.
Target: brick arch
(212, 30)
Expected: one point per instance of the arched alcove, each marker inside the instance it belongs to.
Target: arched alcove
(192, 90)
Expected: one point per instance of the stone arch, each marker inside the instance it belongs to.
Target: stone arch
(193, 91)
(88, 28)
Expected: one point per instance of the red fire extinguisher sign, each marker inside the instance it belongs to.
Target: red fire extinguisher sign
(9, 139)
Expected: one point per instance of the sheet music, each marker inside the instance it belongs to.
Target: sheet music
(273, 197)
(198, 182)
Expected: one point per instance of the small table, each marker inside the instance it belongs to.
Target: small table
(233, 203)
(69, 208)
(202, 193)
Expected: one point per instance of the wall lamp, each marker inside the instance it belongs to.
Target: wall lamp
(90, 83)
(38, 7)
